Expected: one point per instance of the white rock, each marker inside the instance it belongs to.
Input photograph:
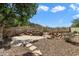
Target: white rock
(11, 42)
(27, 37)
(47, 36)
(28, 44)
(2, 52)
(37, 52)
(19, 44)
(32, 48)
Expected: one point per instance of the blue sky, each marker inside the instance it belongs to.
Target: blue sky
(56, 14)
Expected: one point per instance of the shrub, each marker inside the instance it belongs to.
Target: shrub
(75, 32)
(67, 39)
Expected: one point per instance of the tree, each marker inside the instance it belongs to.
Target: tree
(25, 11)
(13, 14)
(75, 23)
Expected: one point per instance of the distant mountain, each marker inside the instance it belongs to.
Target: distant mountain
(34, 25)
(38, 26)
(57, 29)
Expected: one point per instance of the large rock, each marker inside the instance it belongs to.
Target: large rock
(75, 39)
(27, 37)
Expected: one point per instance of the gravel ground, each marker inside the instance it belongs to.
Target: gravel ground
(14, 51)
(48, 47)
(55, 47)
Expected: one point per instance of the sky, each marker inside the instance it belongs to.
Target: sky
(56, 14)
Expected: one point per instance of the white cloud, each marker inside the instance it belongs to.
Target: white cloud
(77, 8)
(76, 16)
(44, 8)
(58, 8)
(74, 7)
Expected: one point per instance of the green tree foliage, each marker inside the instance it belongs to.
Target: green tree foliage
(14, 14)
(75, 23)
(25, 11)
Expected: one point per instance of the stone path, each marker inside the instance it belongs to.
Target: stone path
(25, 39)
(34, 49)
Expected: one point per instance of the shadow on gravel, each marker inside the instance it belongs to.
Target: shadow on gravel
(34, 41)
(28, 54)
(73, 43)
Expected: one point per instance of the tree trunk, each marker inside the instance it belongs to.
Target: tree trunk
(1, 37)
(0, 34)
(6, 40)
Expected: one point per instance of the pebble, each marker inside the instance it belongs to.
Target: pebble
(28, 45)
(32, 48)
(17, 45)
(37, 52)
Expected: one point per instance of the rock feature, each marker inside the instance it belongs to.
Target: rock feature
(20, 44)
(24, 39)
(28, 45)
(37, 52)
(32, 48)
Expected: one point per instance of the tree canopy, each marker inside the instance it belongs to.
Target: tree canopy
(75, 23)
(14, 14)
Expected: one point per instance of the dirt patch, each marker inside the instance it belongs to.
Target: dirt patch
(55, 47)
(15, 51)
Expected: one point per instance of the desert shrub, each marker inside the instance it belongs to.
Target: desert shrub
(27, 32)
(67, 39)
(37, 33)
(6, 45)
(78, 32)
(14, 31)
(75, 32)
(1, 44)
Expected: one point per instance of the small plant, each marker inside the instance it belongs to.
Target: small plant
(67, 39)
(78, 32)
(75, 32)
